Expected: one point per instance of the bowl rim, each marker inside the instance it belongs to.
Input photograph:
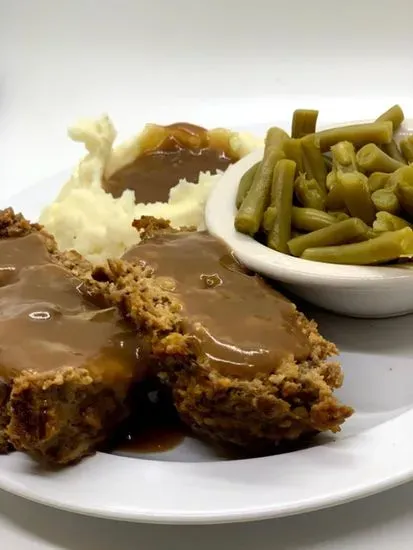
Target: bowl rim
(219, 218)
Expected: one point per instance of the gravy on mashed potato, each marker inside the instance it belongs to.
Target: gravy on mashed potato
(185, 160)
(183, 151)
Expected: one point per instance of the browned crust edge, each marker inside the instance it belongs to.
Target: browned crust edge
(57, 416)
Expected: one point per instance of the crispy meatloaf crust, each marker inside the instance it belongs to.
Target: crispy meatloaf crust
(294, 400)
(60, 415)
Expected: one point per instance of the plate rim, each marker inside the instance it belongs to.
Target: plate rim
(358, 488)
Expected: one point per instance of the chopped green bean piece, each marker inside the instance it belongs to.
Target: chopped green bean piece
(249, 216)
(394, 115)
(304, 122)
(293, 151)
(358, 134)
(356, 196)
(393, 151)
(406, 146)
(377, 180)
(384, 248)
(311, 219)
(245, 184)
(275, 137)
(385, 200)
(338, 233)
(344, 156)
(371, 233)
(331, 180)
(269, 219)
(314, 164)
(388, 222)
(404, 174)
(339, 215)
(335, 198)
(371, 159)
(405, 194)
(309, 193)
(283, 189)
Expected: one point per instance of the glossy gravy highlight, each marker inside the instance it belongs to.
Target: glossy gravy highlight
(46, 323)
(242, 325)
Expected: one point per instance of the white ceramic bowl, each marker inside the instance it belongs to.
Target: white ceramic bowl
(349, 290)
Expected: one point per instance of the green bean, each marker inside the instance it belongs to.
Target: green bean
(283, 189)
(304, 122)
(388, 222)
(394, 115)
(331, 180)
(405, 194)
(293, 151)
(377, 180)
(344, 156)
(338, 233)
(275, 137)
(284, 171)
(385, 200)
(245, 184)
(357, 196)
(250, 214)
(402, 174)
(371, 233)
(268, 219)
(311, 219)
(392, 150)
(384, 248)
(314, 164)
(406, 146)
(309, 193)
(371, 159)
(335, 198)
(358, 134)
(339, 215)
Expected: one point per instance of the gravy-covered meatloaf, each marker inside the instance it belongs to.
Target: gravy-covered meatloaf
(245, 367)
(66, 366)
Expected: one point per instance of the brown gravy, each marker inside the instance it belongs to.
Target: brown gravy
(154, 426)
(241, 325)
(46, 323)
(182, 154)
(152, 439)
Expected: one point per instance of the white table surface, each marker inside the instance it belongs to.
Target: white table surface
(220, 62)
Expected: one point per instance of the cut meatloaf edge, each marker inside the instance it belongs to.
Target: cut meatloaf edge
(61, 416)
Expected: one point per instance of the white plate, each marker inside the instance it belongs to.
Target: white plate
(192, 485)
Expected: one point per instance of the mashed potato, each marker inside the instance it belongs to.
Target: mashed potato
(88, 219)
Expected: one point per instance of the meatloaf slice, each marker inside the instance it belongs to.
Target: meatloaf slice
(67, 366)
(245, 367)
